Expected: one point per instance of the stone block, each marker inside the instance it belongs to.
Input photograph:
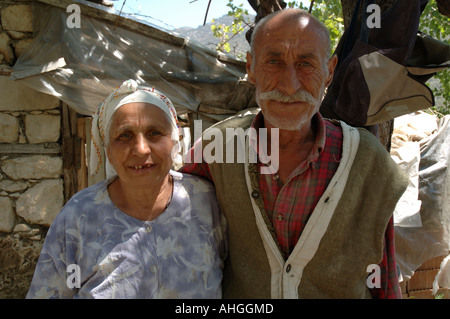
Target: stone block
(13, 186)
(25, 231)
(41, 203)
(21, 46)
(32, 167)
(16, 96)
(19, 228)
(5, 48)
(17, 35)
(17, 18)
(7, 215)
(42, 128)
(9, 128)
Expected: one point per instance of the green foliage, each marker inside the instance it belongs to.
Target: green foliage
(438, 26)
(224, 33)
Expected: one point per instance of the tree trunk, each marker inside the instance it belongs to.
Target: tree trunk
(444, 7)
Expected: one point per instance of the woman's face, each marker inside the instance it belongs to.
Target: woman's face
(140, 145)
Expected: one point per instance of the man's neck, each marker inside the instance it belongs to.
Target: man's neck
(292, 139)
(294, 148)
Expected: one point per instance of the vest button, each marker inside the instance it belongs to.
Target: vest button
(255, 194)
(280, 217)
(288, 268)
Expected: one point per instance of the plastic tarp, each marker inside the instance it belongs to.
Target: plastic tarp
(81, 66)
(421, 146)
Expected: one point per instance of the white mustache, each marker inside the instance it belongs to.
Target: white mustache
(299, 96)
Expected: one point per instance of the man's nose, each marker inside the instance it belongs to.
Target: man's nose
(289, 82)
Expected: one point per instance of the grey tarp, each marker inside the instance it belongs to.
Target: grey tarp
(429, 237)
(81, 66)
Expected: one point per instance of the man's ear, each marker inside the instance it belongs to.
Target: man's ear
(331, 66)
(248, 66)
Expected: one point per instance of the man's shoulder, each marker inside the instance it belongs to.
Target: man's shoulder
(242, 119)
(366, 138)
(370, 150)
(369, 140)
(368, 144)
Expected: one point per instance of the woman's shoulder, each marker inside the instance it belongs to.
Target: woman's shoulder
(197, 195)
(197, 182)
(87, 199)
(90, 191)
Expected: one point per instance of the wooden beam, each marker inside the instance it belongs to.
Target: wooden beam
(47, 148)
(106, 14)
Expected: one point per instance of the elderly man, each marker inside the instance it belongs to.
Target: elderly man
(319, 225)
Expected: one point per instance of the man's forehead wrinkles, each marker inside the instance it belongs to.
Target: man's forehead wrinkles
(277, 52)
(272, 53)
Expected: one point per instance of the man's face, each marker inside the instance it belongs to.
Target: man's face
(290, 71)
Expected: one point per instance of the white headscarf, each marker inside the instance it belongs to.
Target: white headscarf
(128, 92)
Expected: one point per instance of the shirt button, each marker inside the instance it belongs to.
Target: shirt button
(148, 229)
(280, 217)
(288, 268)
(255, 194)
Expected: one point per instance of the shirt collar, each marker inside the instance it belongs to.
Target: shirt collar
(316, 151)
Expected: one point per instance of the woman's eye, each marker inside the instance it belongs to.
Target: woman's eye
(155, 133)
(125, 136)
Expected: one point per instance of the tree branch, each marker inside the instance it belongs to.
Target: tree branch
(311, 6)
(206, 14)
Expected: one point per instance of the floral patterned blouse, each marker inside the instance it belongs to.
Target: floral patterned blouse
(94, 250)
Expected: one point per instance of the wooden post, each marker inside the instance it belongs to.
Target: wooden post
(81, 154)
(68, 156)
(73, 152)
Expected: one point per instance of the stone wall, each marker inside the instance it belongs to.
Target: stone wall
(31, 165)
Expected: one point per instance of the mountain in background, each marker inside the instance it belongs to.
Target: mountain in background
(204, 35)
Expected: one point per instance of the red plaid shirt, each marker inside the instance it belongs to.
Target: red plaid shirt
(290, 205)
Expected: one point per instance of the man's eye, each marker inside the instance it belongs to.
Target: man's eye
(272, 61)
(305, 64)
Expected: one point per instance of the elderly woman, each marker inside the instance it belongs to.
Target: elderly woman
(144, 232)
